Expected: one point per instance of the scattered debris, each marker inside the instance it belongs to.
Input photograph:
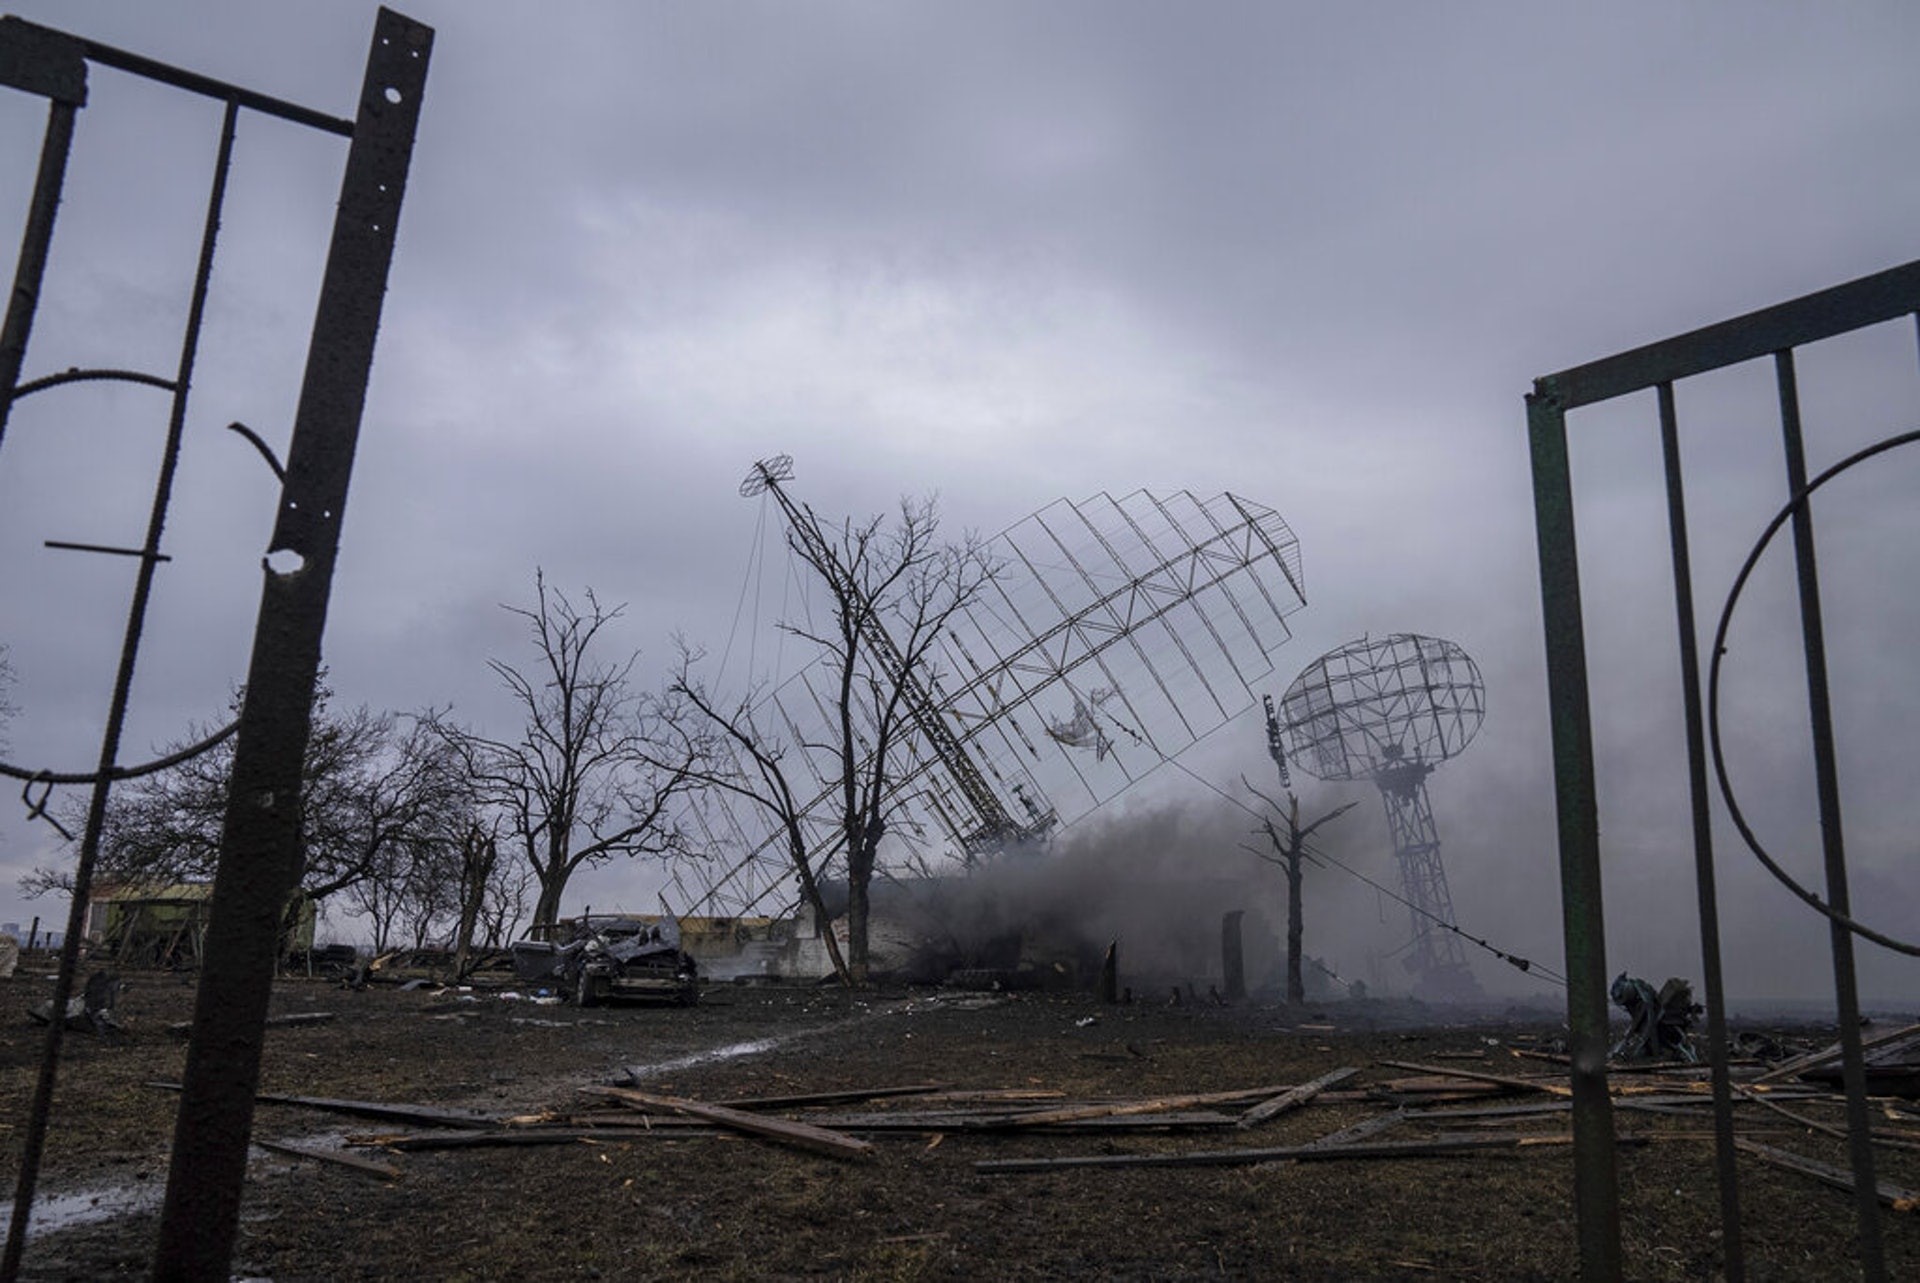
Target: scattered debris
(601, 956)
(352, 1162)
(430, 1115)
(1892, 1064)
(1552, 1088)
(821, 1123)
(293, 1020)
(1900, 1200)
(1662, 1022)
(819, 1140)
(1441, 1147)
(89, 1012)
(1293, 1098)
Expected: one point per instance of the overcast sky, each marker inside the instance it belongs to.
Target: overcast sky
(1312, 254)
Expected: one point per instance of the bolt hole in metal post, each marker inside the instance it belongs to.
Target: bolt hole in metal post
(285, 561)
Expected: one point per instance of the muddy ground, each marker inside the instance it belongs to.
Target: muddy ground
(657, 1206)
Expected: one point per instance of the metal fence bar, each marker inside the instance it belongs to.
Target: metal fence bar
(1773, 331)
(31, 268)
(1832, 834)
(1596, 1191)
(191, 81)
(39, 1112)
(1867, 301)
(259, 862)
(1724, 1153)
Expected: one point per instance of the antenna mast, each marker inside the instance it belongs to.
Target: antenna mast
(1276, 749)
(992, 827)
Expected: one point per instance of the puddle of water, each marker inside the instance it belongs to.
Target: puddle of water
(732, 1051)
(759, 1046)
(56, 1212)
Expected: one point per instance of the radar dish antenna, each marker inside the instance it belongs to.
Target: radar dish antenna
(1390, 711)
(766, 474)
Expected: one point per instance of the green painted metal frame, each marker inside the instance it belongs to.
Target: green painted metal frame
(1774, 332)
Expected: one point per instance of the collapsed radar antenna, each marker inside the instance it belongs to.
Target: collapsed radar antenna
(1112, 635)
(1390, 711)
(991, 826)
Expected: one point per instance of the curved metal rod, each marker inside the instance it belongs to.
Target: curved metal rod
(120, 772)
(78, 375)
(1713, 697)
(37, 806)
(266, 451)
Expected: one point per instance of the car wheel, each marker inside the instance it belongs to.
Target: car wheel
(583, 994)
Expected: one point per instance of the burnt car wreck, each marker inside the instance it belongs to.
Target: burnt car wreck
(599, 957)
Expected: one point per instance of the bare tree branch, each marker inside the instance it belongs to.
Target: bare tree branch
(584, 780)
(893, 588)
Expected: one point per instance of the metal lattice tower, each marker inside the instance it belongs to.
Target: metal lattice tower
(1390, 711)
(989, 825)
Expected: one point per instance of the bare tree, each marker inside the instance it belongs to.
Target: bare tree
(503, 903)
(377, 791)
(1287, 853)
(579, 784)
(726, 749)
(892, 589)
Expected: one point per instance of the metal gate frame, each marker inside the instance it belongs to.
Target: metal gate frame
(259, 851)
(1776, 332)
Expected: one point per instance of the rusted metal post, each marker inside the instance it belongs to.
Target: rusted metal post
(260, 848)
(1596, 1192)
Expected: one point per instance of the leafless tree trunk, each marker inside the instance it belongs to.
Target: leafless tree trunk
(479, 859)
(580, 783)
(892, 589)
(727, 751)
(1288, 853)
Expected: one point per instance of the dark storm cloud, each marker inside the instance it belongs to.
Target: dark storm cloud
(1010, 252)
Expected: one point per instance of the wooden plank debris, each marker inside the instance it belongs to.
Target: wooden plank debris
(1149, 1105)
(352, 1162)
(1474, 1075)
(811, 1099)
(1831, 1055)
(800, 1135)
(427, 1115)
(1292, 1153)
(1900, 1200)
(1193, 1120)
(1293, 1098)
(1879, 1136)
(292, 1020)
(530, 1136)
(1360, 1131)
